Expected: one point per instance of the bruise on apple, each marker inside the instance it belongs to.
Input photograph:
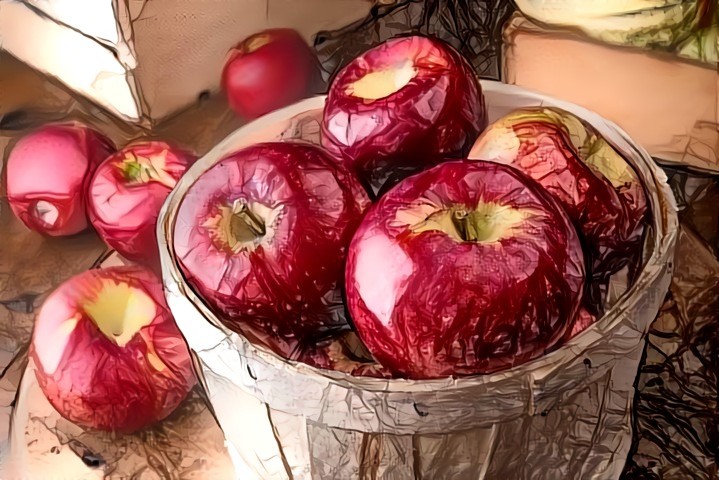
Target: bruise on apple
(127, 192)
(108, 353)
(400, 107)
(48, 172)
(262, 237)
(467, 268)
(595, 185)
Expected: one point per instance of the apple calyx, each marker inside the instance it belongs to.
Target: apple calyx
(382, 83)
(241, 226)
(120, 311)
(139, 169)
(487, 223)
(45, 213)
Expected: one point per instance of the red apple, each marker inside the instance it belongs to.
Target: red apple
(107, 351)
(267, 71)
(262, 237)
(47, 175)
(596, 186)
(400, 106)
(466, 268)
(127, 192)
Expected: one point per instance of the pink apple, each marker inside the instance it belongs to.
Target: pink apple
(107, 351)
(267, 71)
(262, 237)
(47, 175)
(127, 192)
(595, 185)
(466, 268)
(402, 105)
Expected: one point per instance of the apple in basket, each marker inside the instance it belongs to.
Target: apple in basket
(262, 237)
(127, 192)
(48, 171)
(467, 268)
(108, 354)
(269, 70)
(598, 188)
(402, 105)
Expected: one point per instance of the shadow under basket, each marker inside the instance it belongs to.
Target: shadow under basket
(564, 415)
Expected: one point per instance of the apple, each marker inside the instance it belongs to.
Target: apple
(267, 71)
(127, 192)
(466, 268)
(108, 354)
(598, 188)
(262, 237)
(47, 175)
(402, 105)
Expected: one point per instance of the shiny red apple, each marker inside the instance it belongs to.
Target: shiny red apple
(595, 185)
(466, 268)
(127, 192)
(108, 354)
(402, 105)
(47, 176)
(262, 237)
(269, 70)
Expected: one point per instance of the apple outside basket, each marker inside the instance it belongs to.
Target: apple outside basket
(564, 415)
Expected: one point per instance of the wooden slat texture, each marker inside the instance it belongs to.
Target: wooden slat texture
(291, 434)
(456, 456)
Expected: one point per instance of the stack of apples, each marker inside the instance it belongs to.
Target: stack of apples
(107, 352)
(415, 242)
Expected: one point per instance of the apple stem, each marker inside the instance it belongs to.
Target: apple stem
(469, 225)
(245, 225)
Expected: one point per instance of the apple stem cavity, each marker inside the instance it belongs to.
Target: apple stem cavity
(137, 169)
(120, 311)
(244, 224)
(241, 226)
(383, 83)
(487, 223)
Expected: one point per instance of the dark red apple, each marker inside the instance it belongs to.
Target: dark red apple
(47, 176)
(267, 71)
(108, 354)
(127, 192)
(595, 185)
(466, 268)
(262, 237)
(402, 105)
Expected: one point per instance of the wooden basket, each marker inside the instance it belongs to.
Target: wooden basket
(564, 415)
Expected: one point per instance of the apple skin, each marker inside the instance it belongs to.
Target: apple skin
(428, 304)
(92, 379)
(269, 70)
(51, 167)
(279, 287)
(438, 113)
(596, 186)
(123, 202)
